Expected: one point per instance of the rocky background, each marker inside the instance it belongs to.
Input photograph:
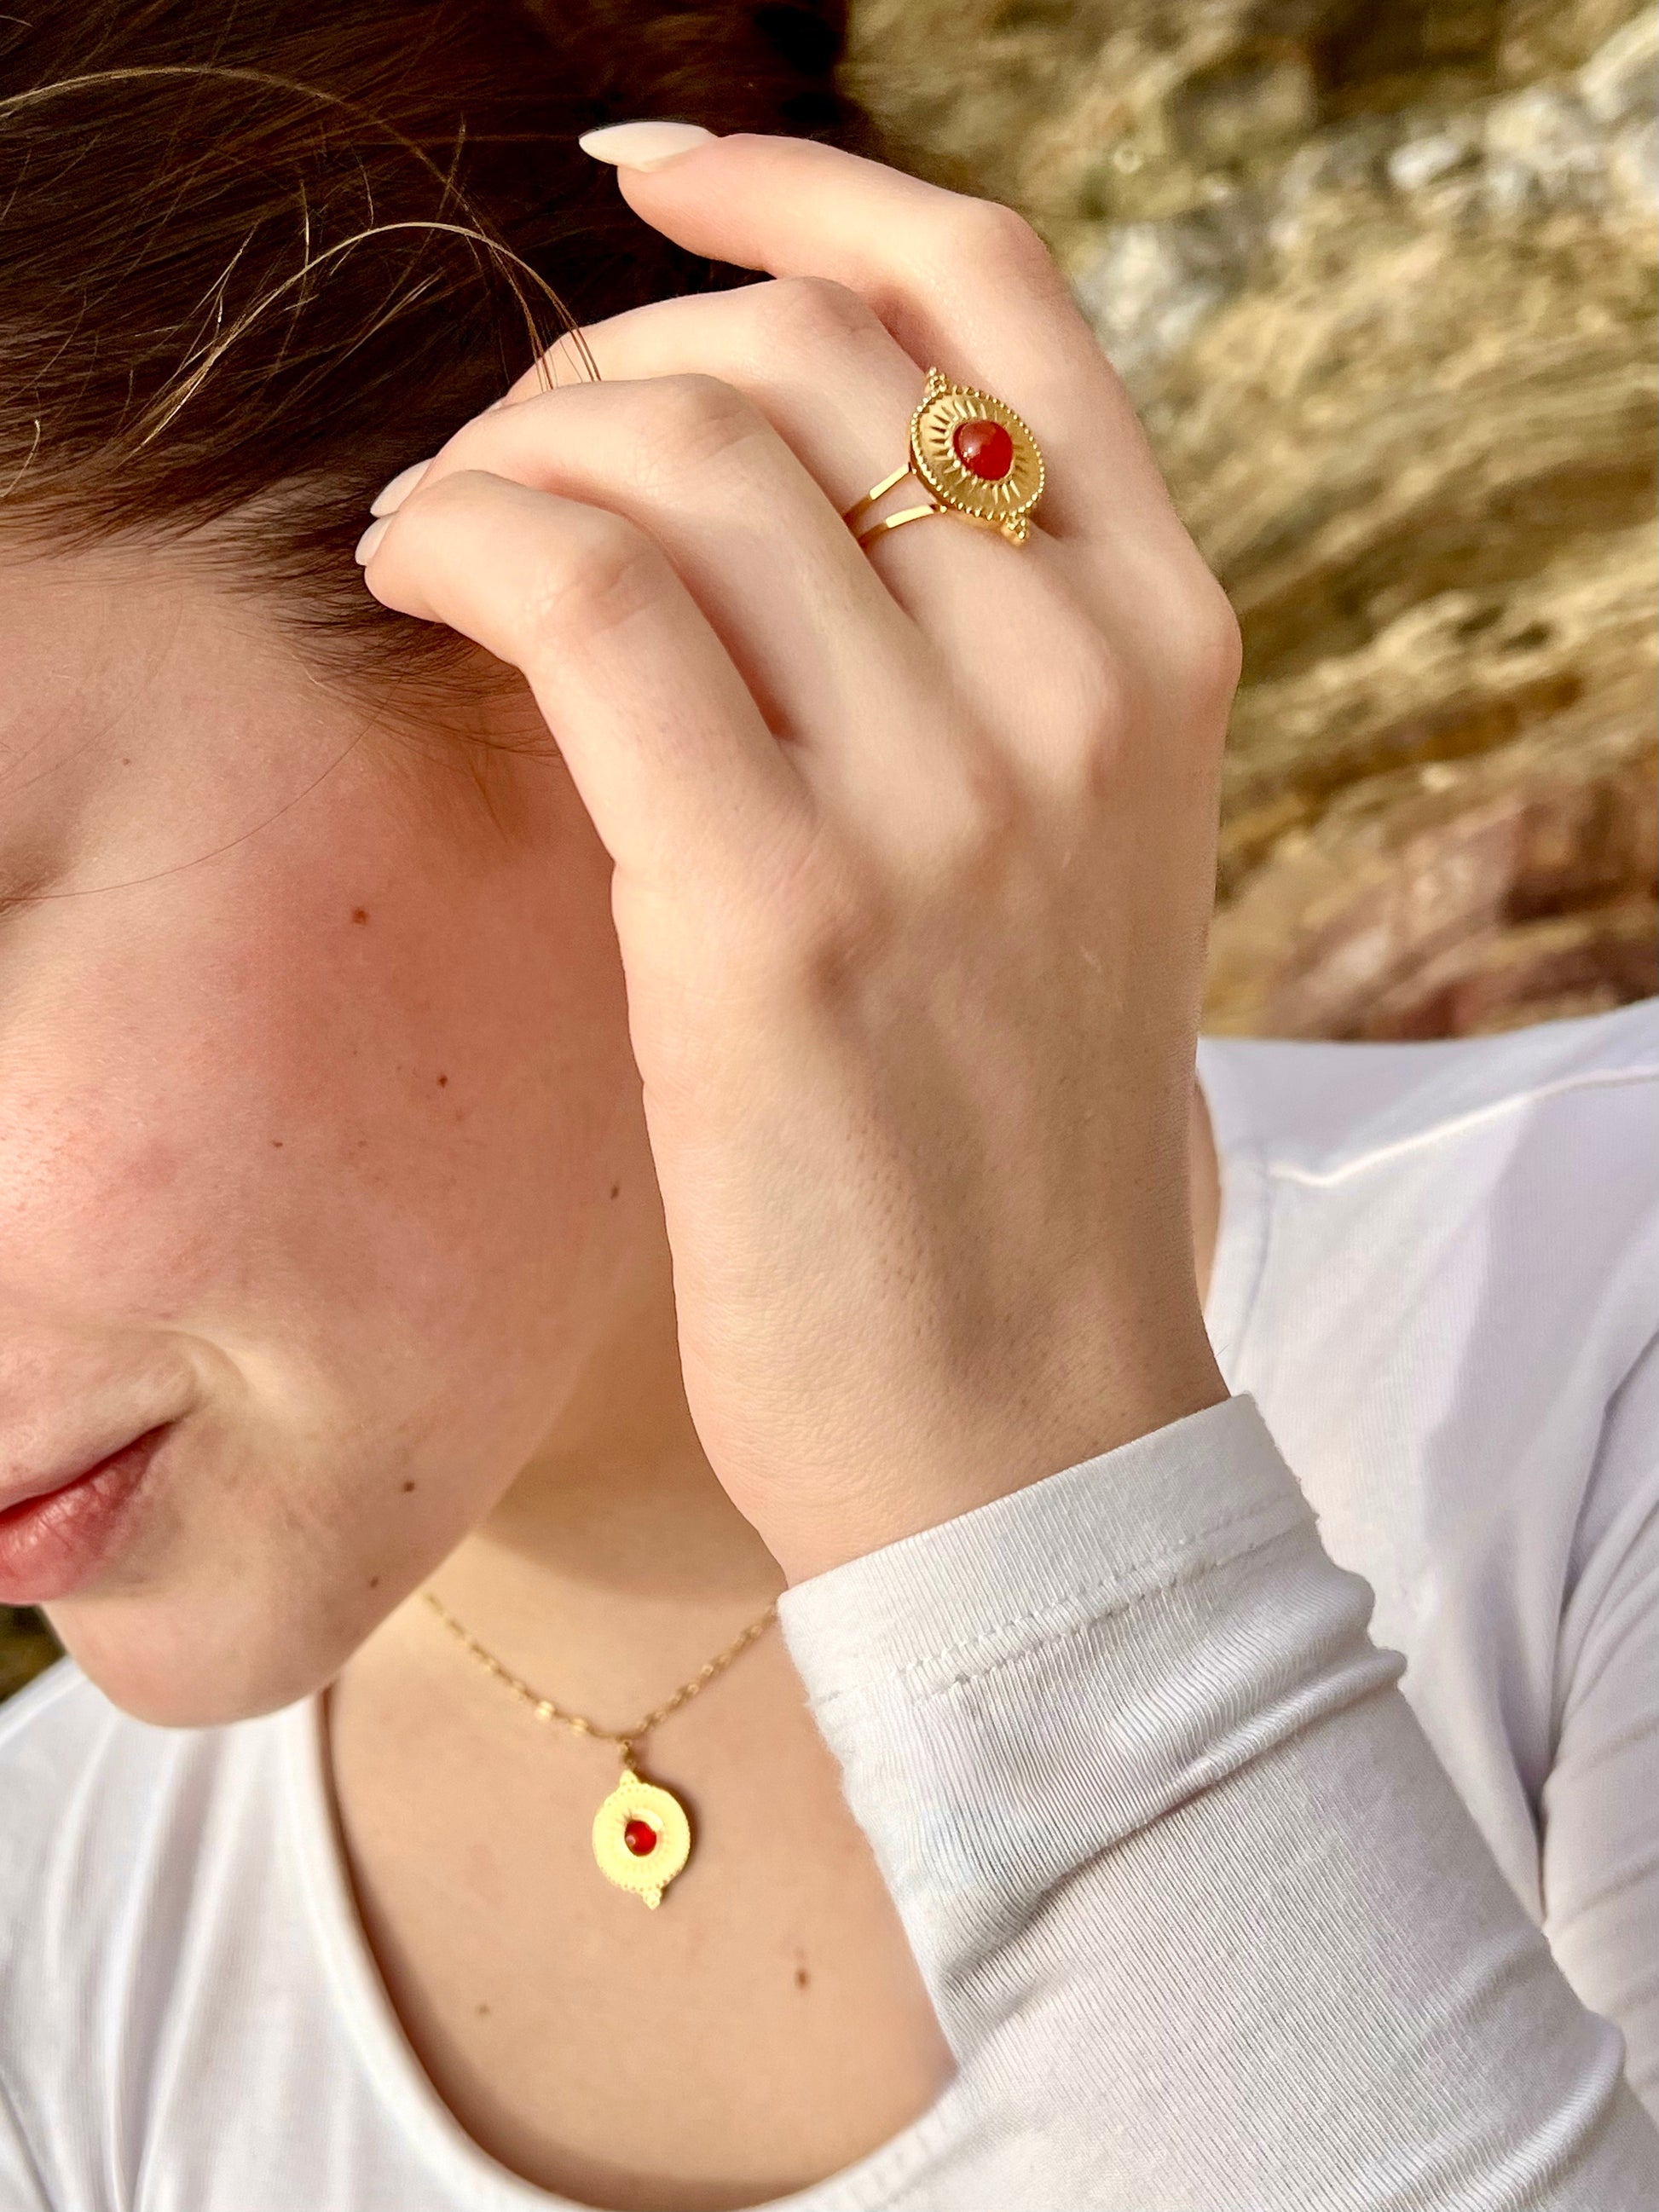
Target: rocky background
(25, 1646)
(1380, 278)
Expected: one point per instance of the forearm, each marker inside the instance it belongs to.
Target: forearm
(1174, 1855)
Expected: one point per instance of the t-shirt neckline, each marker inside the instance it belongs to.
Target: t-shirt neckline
(477, 2182)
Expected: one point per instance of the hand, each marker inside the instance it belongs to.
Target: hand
(914, 845)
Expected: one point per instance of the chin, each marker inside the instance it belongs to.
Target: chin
(191, 1659)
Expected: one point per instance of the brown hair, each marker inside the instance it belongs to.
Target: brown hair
(255, 258)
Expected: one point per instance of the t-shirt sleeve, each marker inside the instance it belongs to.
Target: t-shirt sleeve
(1196, 1903)
(1599, 1809)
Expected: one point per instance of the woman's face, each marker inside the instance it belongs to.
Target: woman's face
(319, 1133)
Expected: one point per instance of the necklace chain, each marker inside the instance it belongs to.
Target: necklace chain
(544, 1709)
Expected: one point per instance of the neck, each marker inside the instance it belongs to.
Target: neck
(616, 1564)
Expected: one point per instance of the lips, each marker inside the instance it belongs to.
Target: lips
(55, 1540)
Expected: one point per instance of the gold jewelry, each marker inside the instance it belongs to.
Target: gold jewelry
(641, 1833)
(974, 454)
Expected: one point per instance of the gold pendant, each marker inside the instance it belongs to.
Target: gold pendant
(642, 1837)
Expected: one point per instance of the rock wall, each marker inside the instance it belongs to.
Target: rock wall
(26, 1648)
(1381, 279)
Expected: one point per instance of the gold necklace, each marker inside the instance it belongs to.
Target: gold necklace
(641, 1833)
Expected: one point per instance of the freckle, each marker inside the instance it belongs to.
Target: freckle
(442, 1079)
(359, 913)
(802, 1977)
(276, 1144)
(408, 1486)
(615, 1188)
(483, 2012)
(374, 1581)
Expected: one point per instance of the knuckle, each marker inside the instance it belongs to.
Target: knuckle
(978, 817)
(454, 488)
(689, 421)
(813, 311)
(1208, 647)
(822, 930)
(1000, 240)
(606, 574)
(438, 508)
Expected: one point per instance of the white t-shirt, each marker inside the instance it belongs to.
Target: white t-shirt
(1209, 1925)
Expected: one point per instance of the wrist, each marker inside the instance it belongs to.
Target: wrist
(986, 1460)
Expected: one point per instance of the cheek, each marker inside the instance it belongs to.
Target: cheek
(342, 1058)
(363, 1165)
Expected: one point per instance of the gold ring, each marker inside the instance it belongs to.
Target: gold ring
(973, 454)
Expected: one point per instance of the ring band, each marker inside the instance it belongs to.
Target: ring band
(974, 457)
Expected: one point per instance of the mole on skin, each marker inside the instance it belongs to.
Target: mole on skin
(408, 1486)
(359, 913)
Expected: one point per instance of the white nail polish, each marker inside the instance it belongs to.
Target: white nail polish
(391, 496)
(642, 145)
(371, 538)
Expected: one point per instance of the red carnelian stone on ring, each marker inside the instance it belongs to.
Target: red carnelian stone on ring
(641, 1838)
(985, 448)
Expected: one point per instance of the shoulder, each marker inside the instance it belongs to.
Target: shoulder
(160, 1945)
(81, 1783)
(61, 1742)
(1504, 1188)
(106, 1826)
(1485, 1209)
(1439, 1273)
(70, 1760)
(1324, 1110)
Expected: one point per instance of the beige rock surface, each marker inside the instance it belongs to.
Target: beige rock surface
(1381, 279)
(26, 1648)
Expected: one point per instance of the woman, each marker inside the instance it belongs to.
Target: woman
(609, 1235)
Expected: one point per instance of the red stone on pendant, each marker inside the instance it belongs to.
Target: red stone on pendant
(984, 448)
(641, 1838)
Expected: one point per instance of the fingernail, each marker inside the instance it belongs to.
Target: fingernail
(370, 539)
(642, 145)
(391, 497)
